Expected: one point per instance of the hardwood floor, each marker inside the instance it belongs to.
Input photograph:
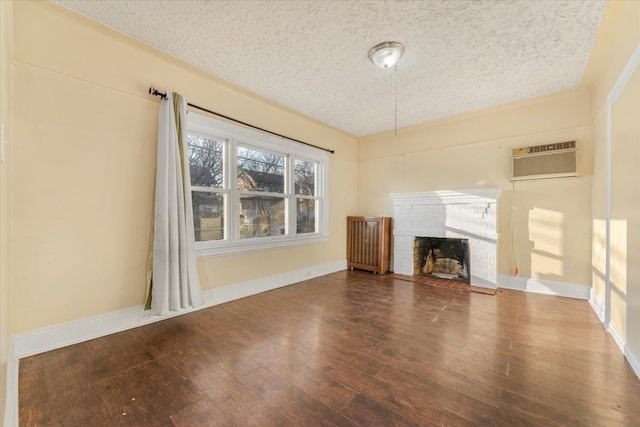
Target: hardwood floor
(348, 349)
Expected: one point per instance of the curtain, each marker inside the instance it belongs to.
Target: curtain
(172, 277)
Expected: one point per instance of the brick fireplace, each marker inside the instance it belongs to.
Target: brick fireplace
(470, 215)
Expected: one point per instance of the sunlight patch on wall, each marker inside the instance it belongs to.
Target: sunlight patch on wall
(619, 274)
(599, 255)
(546, 232)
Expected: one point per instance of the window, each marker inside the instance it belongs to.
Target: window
(253, 191)
(306, 200)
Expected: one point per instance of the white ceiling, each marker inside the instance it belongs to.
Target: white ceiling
(460, 56)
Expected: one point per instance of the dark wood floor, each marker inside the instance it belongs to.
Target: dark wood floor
(351, 348)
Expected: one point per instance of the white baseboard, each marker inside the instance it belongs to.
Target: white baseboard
(597, 304)
(633, 360)
(547, 287)
(624, 348)
(617, 337)
(263, 284)
(69, 333)
(571, 290)
(57, 336)
(483, 283)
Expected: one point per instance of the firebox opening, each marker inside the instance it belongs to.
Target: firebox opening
(442, 257)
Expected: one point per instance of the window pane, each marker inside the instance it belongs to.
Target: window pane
(260, 171)
(305, 176)
(261, 216)
(208, 215)
(205, 161)
(305, 216)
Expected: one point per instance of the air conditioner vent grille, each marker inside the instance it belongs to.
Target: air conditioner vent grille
(569, 145)
(558, 162)
(551, 147)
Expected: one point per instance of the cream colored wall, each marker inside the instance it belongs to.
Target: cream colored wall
(552, 217)
(85, 135)
(625, 214)
(6, 56)
(618, 36)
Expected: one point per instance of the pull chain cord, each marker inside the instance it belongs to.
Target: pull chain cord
(516, 270)
(395, 103)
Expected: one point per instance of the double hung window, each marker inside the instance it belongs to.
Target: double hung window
(253, 191)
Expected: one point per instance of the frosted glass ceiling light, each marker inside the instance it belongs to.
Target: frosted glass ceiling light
(386, 54)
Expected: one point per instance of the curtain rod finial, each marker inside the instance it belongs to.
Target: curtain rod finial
(155, 92)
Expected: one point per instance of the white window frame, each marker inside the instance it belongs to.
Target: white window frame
(234, 135)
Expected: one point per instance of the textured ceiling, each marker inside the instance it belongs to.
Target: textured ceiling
(460, 56)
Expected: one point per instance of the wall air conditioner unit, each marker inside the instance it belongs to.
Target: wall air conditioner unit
(559, 160)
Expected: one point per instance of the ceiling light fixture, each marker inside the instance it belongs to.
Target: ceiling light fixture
(386, 54)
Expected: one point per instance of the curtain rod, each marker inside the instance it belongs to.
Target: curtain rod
(155, 92)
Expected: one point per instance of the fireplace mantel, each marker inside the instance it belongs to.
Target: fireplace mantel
(446, 196)
(468, 214)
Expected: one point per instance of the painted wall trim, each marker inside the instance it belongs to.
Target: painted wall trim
(607, 238)
(624, 348)
(572, 290)
(61, 335)
(546, 287)
(597, 304)
(632, 359)
(617, 337)
(57, 336)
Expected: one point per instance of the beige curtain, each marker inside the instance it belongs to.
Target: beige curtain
(172, 276)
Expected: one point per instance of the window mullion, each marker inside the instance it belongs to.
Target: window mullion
(234, 198)
(261, 193)
(208, 189)
(318, 191)
(291, 202)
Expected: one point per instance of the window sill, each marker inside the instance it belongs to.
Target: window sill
(209, 250)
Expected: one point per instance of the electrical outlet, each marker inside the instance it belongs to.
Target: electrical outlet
(567, 268)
